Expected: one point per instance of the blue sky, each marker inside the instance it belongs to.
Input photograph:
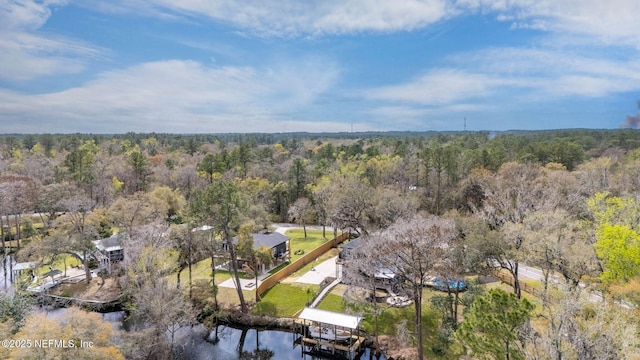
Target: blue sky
(198, 66)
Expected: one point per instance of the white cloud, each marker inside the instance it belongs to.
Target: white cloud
(300, 18)
(25, 14)
(26, 54)
(437, 87)
(549, 72)
(610, 22)
(501, 80)
(177, 96)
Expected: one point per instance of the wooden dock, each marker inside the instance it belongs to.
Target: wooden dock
(346, 349)
(354, 343)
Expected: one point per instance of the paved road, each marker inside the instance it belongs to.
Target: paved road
(530, 273)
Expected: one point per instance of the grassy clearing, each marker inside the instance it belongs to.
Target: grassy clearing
(284, 300)
(509, 289)
(62, 259)
(199, 271)
(299, 242)
(227, 297)
(58, 264)
(333, 303)
(398, 321)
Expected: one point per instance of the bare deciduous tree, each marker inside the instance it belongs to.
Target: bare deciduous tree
(300, 212)
(350, 204)
(48, 203)
(509, 196)
(556, 242)
(412, 249)
(222, 206)
(157, 307)
(76, 223)
(578, 328)
(321, 196)
(392, 204)
(133, 211)
(191, 247)
(17, 195)
(362, 269)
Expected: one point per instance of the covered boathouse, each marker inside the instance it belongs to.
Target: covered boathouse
(328, 331)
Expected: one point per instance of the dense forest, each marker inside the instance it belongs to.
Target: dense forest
(564, 201)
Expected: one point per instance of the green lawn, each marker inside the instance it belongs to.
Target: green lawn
(333, 302)
(284, 300)
(58, 264)
(200, 271)
(299, 242)
(393, 320)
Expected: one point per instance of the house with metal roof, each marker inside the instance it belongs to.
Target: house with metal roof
(276, 242)
(385, 277)
(109, 251)
(111, 247)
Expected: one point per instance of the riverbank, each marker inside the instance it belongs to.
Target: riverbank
(100, 295)
(239, 319)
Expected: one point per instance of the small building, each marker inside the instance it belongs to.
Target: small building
(20, 268)
(278, 243)
(108, 251)
(385, 277)
(352, 249)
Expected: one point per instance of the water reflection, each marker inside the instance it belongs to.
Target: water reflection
(227, 343)
(244, 344)
(5, 273)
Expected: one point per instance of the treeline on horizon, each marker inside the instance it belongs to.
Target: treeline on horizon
(110, 166)
(530, 144)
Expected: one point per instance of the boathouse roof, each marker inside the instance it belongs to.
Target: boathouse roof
(331, 318)
(24, 266)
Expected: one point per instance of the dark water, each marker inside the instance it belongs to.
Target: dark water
(251, 344)
(197, 342)
(5, 273)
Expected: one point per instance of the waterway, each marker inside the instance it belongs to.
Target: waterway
(5, 273)
(232, 343)
(221, 343)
